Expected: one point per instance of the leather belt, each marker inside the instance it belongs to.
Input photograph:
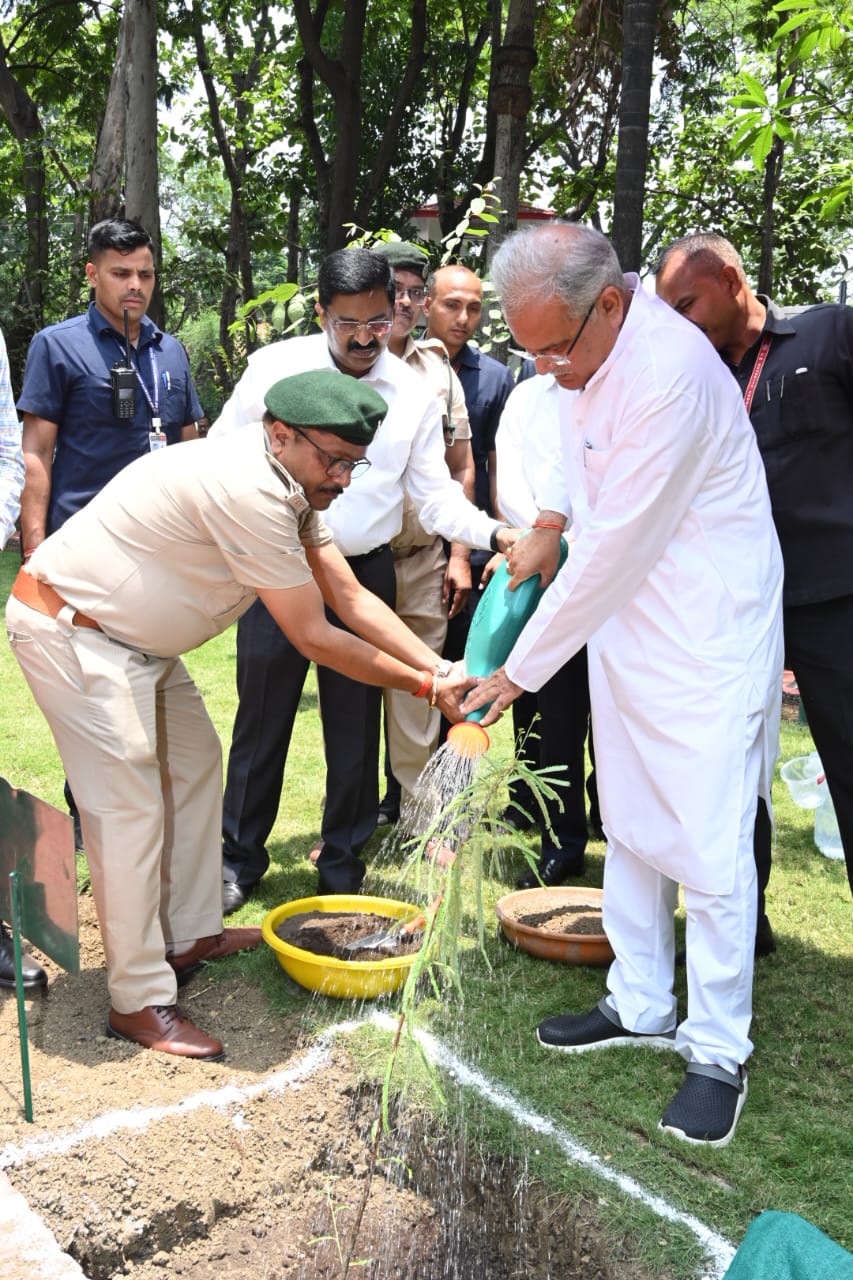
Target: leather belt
(42, 597)
(369, 555)
(405, 553)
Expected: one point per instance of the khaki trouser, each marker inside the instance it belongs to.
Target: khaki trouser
(412, 725)
(144, 764)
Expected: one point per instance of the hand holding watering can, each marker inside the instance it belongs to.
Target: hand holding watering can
(507, 604)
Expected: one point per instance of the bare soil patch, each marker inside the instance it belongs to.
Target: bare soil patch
(151, 1166)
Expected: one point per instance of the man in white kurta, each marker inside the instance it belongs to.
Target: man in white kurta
(530, 478)
(674, 583)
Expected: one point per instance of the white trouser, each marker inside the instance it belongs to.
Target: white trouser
(639, 903)
(144, 764)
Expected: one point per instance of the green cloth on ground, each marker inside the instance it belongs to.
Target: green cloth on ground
(783, 1246)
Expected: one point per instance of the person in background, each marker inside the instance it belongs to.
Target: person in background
(166, 556)
(794, 367)
(77, 435)
(530, 480)
(453, 308)
(11, 484)
(432, 584)
(674, 583)
(355, 306)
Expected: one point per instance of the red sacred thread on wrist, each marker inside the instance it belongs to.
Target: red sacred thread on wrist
(425, 687)
(547, 524)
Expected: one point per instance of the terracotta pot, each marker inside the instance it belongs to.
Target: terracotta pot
(563, 948)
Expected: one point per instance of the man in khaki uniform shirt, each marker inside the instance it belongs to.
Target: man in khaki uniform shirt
(431, 588)
(168, 555)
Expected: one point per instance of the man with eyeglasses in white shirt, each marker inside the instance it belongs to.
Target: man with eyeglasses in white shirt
(355, 306)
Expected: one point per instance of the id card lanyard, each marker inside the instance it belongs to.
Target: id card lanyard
(756, 370)
(156, 436)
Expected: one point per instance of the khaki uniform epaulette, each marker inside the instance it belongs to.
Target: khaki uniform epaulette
(433, 344)
(294, 495)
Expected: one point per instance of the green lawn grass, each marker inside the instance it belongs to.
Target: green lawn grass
(794, 1145)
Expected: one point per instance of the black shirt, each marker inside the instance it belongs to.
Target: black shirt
(802, 412)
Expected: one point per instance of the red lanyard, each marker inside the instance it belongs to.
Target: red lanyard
(756, 370)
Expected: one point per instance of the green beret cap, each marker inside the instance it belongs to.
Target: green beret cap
(329, 401)
(408, 257)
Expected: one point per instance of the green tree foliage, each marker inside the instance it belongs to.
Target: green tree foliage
(51, 114)
(283, 123)
(712, 169)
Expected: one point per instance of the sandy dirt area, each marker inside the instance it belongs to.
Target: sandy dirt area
(150, 1166)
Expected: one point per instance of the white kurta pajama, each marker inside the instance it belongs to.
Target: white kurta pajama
(674, 583)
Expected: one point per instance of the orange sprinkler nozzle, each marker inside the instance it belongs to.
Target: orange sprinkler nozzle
(468, 740)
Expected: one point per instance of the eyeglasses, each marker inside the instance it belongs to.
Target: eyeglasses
(378, 328)
(417, 294)
(337, 468)
(548, 363)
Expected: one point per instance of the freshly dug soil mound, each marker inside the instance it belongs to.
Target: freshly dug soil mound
(255, 1168)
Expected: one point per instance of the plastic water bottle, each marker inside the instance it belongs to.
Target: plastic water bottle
(826, 834)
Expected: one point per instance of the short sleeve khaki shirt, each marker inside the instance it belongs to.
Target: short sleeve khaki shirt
(175, 548)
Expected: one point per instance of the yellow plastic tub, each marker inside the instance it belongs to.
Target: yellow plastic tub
(347, 979)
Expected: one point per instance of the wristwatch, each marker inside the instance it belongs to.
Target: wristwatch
(493, 540)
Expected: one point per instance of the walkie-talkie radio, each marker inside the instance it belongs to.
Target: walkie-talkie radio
(123, 380)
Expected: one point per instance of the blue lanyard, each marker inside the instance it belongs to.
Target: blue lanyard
(153, 404)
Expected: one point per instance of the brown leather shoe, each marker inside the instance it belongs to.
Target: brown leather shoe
(165, 1028)
(226, 943)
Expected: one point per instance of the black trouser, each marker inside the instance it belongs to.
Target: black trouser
(819, 651)
(270, 677)
(562, 705)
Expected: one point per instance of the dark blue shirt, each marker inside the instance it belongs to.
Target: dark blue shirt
(67, 381)
(487, 384)
(802, 413)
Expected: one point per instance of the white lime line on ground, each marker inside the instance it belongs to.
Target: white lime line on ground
(139, 1118)
(718, 1250)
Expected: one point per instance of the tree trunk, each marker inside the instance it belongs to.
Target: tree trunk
(639, 26)
(772, 174)
(21, 114)
(510, 99)
(105, 181)
(342, 77)
(142, 179)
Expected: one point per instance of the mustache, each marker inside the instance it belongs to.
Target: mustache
(355, 345)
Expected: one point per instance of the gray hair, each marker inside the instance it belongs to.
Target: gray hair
(703, 248)
(562, 260)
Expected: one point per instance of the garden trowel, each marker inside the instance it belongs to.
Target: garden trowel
(388, 938)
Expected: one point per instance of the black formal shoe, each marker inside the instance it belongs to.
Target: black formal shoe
(32, 974)
(513, 817)
(552, 871)
(235, 896)
(388, 815)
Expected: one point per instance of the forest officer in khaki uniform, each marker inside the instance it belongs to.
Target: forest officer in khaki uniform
(166, 556)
